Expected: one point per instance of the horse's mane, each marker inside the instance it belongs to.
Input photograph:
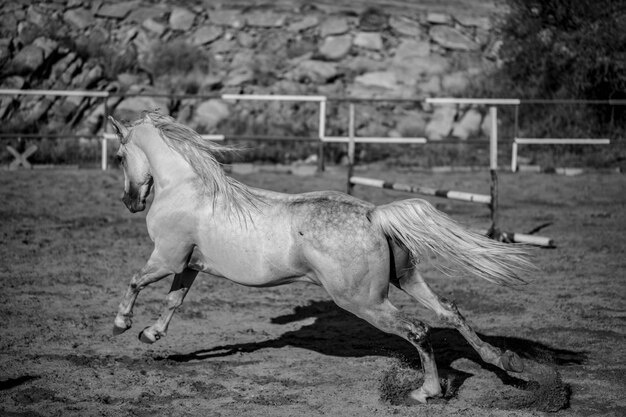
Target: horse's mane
(201, 155)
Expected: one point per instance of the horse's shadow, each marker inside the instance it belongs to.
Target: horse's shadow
(336, 332)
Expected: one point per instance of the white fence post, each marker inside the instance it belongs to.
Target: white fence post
(105, 160)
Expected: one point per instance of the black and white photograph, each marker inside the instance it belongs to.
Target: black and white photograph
(227, 208)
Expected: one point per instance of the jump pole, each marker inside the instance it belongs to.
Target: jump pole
(416, 189)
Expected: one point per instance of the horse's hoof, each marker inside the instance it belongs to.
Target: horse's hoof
(118, 330)
(510, 361)
(145, 338)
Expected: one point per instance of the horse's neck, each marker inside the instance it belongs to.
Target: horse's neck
(169, 168)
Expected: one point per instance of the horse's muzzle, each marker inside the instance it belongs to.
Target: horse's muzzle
(134, 202)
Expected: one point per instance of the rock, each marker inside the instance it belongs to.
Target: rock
(382, 79)
(304, 24)
(412, 124)
(469, 125)
(452, 38)
(48, 46)
(369, 40)
(36, 16)
(410, 65)
(27, 60)
(265, 19)
(132, 107)
(373, 20)
(314, 71)
(61, 66)
(246, 40)
(181, 19)
(335, 48)
(206, 34)
(432, 87)
(439, 18)
(222, 46)
(5, 51)
(409, 49)
(116, 10)
(209, 114)
(238, 76)
(154, 26)
(141, 14)
(441, 123)
(455, 83)
(334, 25)
(360, 65)
(231, 18)
(405, 26)
(474, 21)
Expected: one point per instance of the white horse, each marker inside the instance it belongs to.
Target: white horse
(202, 220)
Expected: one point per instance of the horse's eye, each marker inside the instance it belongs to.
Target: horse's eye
(119, 159)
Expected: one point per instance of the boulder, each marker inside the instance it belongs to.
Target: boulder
(181, 19)
(116, 10)
(314, 71)
(373, 20)
(206, 34)
(405, 26)
(154, 26)
(238, 76)
(5, 51)
(47, 45)
(455, 83)
(131, 108)
(474, 21)
(231, 18)
(440, 125)
(79, 18)
(452, 38)
(304, 24)
(208, 114)
(141, 14)
(409, 49)
(437, 18)
(27, 60)
(334, 25)
(381, 79)
(36, 16)
(335, 48)
(430, 87)
(369, 40)
(265, 19)
(469, 125)
(412, 124)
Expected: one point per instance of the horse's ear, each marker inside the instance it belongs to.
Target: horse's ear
(120, 130)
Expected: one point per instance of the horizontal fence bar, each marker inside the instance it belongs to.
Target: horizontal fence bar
(219, 137)
(486, 101)
(273, 97)
(562, 141)
(48, 136)
(76, 93)
(415, 189)
(367, 139)
(524, 238)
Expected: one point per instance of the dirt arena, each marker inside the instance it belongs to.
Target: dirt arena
(68, 248)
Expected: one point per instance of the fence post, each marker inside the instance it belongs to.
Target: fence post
(351, 146)
(321, 134)
(494, 230)
(105, 127)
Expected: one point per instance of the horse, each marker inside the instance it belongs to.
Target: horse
(202, 220)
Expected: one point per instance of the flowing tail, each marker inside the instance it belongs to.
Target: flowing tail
(416, 225)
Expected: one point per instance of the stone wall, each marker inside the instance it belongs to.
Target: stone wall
(76, 44)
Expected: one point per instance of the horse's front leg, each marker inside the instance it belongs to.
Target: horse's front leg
(180, 287)
(157, 268)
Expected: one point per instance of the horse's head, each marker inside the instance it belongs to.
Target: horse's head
(137, 174)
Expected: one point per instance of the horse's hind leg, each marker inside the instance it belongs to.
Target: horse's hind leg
(386, 317)
(180, 286)
(413, 284)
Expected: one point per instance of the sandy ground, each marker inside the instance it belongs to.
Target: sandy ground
(68, 248)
